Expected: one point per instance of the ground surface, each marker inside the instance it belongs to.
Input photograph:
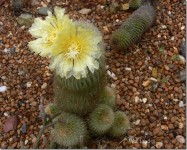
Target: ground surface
(155, 111)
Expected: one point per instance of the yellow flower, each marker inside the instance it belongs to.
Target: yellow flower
(46, 31)
(76, 50)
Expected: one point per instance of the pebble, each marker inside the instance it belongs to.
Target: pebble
(127, 68)
(182, 75)
(24, 128)
(5, 50)
(3, 89)
(181, 104)
(181, 125)
(146, 83)
(6, 114)
(26, 141)
(25, 19)
(159, 145)
(144, 100)
(44, 11)
(29, 84)
(12, 50)
(180, 139)
(137, 122)
(136, 99)
(144, 144)
(85, 11)
(10, 124)
(44, 85)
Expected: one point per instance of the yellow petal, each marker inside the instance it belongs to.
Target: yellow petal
(39, 47)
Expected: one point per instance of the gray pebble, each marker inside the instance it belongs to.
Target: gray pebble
(44, 10)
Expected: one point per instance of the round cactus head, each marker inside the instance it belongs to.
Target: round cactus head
(69, 131)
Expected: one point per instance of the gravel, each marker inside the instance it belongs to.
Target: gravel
(158, 121)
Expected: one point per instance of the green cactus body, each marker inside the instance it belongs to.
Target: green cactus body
(120, 125)
(133, 28)
(101, 119)
(69, 131)
(134, 4)
(79, 96)
(108, 97)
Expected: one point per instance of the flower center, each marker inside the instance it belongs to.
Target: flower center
(73, 51)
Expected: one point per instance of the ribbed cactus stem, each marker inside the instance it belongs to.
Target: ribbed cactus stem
(134, 27)
(79, 96)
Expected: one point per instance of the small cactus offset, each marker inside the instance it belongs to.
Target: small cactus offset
(84, 104)
(69, 131)
(120, 125)
(134, 27)
(101, 119)
(108, 97)
(134, 4)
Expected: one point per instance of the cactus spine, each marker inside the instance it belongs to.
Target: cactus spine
(133, 28)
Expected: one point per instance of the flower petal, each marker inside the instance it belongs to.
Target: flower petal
(40, 47)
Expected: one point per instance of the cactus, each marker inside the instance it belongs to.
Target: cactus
(120, 125)
(108, 97)
(82, 99)
(134, 4)
(134, 27)
(51, 109)
(101, 119)
(69, 130)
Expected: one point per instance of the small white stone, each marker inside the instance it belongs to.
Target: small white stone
(85, 11)
(109, 73)
(158, 35)
(137, 122)
(183, 27)
(44, 85)
(172, 38)
(3, 88)
(5, 50)
(150, 68)
(165, 117)
(175, 100)
(6, 114)
(144, 100)
(181, 104)
(29, 84)
(113, 75)
(164, 26)
(169, 12)
(136, 99)
(153, 79)
(144, 144)
(159, 144)
(117, 20)
(127, 68)
(26, 141)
